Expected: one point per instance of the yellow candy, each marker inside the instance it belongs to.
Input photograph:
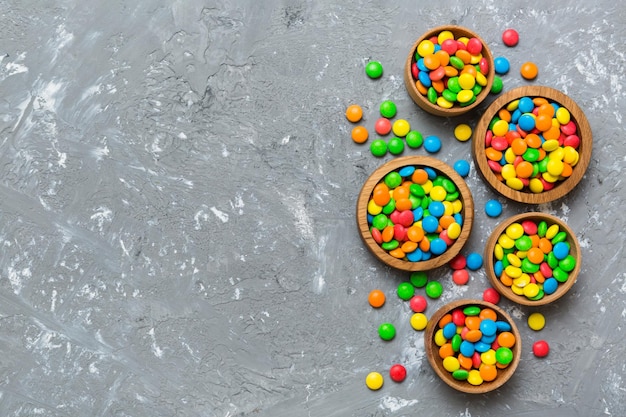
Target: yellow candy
(457, 206)
(509, 155)
(451, 364)
(513, 272)
(444, 35)
(488, 357)
(474, 377)
(419, 321)
(549, 177)
(550, 145)
(505, 241)
(438, 193)
(552, 231)
(512, 106)
(401, 128)
(448, 208)
(373, 208)
(427, 186)
(536, 321)
(481, 79)
(522, 280)
(508, 172)
(425, 47)
(374, 381)
(535, 185)
(439, 338)
(475, 59)
(514, 231)
(463, 132)
(467, 82)
(570, 155)
(563, 115)
(500, 127)
(514, 260)
(555, 167)
(515, 183)
(464, 96)
(443, 103)
(517, 290)
(558, 153)
(454, 230)
(498, 251)
(531, 290)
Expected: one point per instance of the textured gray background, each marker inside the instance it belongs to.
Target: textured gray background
(177, 198)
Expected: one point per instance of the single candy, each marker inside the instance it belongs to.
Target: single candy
(386, 331)
(395, 146)
(474, 261)
(397, 373)
(354, 113)
(501, 65)
(460, 277)
(529, 70)
(414, 139)
(405, 291)
(432, 144)
(536, 321)
(491, 295)
(388, 109)
(463, 132)
(419, 321)
(493, 208)
(376, 298)
(382, 126)
(378, 147)
(541, 348)
(374, 381)
(510, 37)
(418, 303)
(497, 85)
(434, 289)
(374, 69)
(419, 279)
(401, 128)
(462, 167)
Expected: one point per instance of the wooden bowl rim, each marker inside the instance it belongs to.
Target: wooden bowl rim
(562, 188)
(432, 350)
(422, 101)
(562, 289)
(377, 176)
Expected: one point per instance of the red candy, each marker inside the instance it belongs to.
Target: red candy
(458, 262)
(397, 373)
(510, 37)
(541, 348)
(382, 126)
(418, 304)
(491, 296)
(460, 276)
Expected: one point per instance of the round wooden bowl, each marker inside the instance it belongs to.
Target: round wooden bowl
(425, 161)
(506, 291)
(421, 100)
(562, 187)
(432, 350)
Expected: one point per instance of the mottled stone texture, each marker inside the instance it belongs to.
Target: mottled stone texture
(177, 198)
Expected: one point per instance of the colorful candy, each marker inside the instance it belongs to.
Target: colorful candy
(474, 344)
(501, 65)
(541, 348)
(493, 208)
(418, 304)
(449, 71)
(419, 321)
(397, 373)
(388, 109)
(532, 144)
(359, 134)
(382, 126)
(354, 113)
(419, 279)
(463, 132)
(536, 321)
(510, 37)
(532, 258)
(374, 381)
(462, 167)
(491, 295)
(415, 213)
(374, 69)
(434, 289)
(529, 70)
(387, 331)
(405, 291)
(376, 298)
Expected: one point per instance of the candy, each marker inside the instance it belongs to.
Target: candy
(418, 304)
(395, 146)
(528, 148)
(419, 321)
(501, 65)
(382, 126)
(497, 85)
(491, 295)
(510, 37)
(419, 279)
(386, 331)
(450, 72)
(354, 113)
(525, 261)
(401, 128)
(405, 291)
(388, 109)
(374, 381)
(414, 139)
(474, 344)
(432, 144)
(376, 298)
(529, 70)
(541, 348)
(474, 261)
(374, 69)
(378, 147)
(536, 321)
(462, 132)
(460, 276)
(434, 289)
(397, 373)
(415, 213)
(493, 208)
(359, 134)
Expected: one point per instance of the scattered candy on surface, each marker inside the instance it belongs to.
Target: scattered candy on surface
(395, 146)
(419, 279)
(462, 167)
(474, 344)
(541, 348)
(386, 331)
(382, 126)
(354, 113)
(374, 381)
(418, 304)
(374, 69)
(458, 262)
(388, 109)
(432, 144)
(491, 295)
(401, 128)
(533, 258)
(510, 37)
(415, 213)
(532, 144)
(378, 147)
(529, 70)
(397, 373)
(474, 261)
(359, 134)
(450, 72)
(493, 208)
(419, 321)
(414, 139)
(434, 289)
(501, 65)
(376, 298)
(463, 132)
(497, 85)
(405, 291)
(536, 321)
(460, 277)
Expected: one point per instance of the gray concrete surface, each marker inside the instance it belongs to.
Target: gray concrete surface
(177, 199)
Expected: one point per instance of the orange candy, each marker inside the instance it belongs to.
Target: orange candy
(381, 195)
(446, 350)
(473, 335)
(506, 339)
(403, 204)
(360, 134)
(415, 233)
(447, 318)
(535, 255)
(376, 298)
(354, 113)
(420, 177)
(529, 70)
(524, 169)
(472, 322)
(487, 313)
(519, 146)
(488, 372)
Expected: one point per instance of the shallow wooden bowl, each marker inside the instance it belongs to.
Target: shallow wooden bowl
(421, 100)
(432, 350)
(506, 291)
(584, 150)
(396, 164)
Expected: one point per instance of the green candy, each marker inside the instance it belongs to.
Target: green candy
(529, 267)
(568, 263)
(374, 69)
(559, 237)
(393, 179)
(432, 95)
(391, 245)
(449, 95)
(471, 311)
(524, 243)
(414, 139)
(417, 190)
(419, 279)
(378, 147)
(395, 146)
(390, 206)
(497, 85)
(388, 109)
(380, 221)
(460, 374)
(456, 342)
(406, 291)
(386, 331)
(453, 85)
(542, 228)
(559, 274)
(504, 355)
(434, 289)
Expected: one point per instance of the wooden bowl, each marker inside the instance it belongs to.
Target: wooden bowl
(366, 192)
(421, 100)
(432, 350)
(505, 290)
(562, 187)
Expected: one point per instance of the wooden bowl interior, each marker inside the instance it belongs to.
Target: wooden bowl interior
(584, 150)
(432, 350)
(421, 100)
(506, 291)
(377, 176)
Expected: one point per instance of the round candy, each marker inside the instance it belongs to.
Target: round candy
(536, 321)
(374, 381)
(462, 167)
(501, 65)
(354, 113)
(529, 70)
(474, 261)
(497, 85)
(541, 348)
(388, 109)
(462, 132)
(378, 147)
(491, 295)
(414, 139)
(434, 289)
(405, 291)
(418, 303)
(376, 298)
(458, 262)
(397, 373)
(493, 208)
(359, 134)
(419, 321)
(419, 279)
(401, 128)
(432, 144)
(395, 146)
(382, 126)
(510, 37)
(374, 69)
(386, 331)
(460, 277)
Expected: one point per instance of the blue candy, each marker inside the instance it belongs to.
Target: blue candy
(462, 167)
